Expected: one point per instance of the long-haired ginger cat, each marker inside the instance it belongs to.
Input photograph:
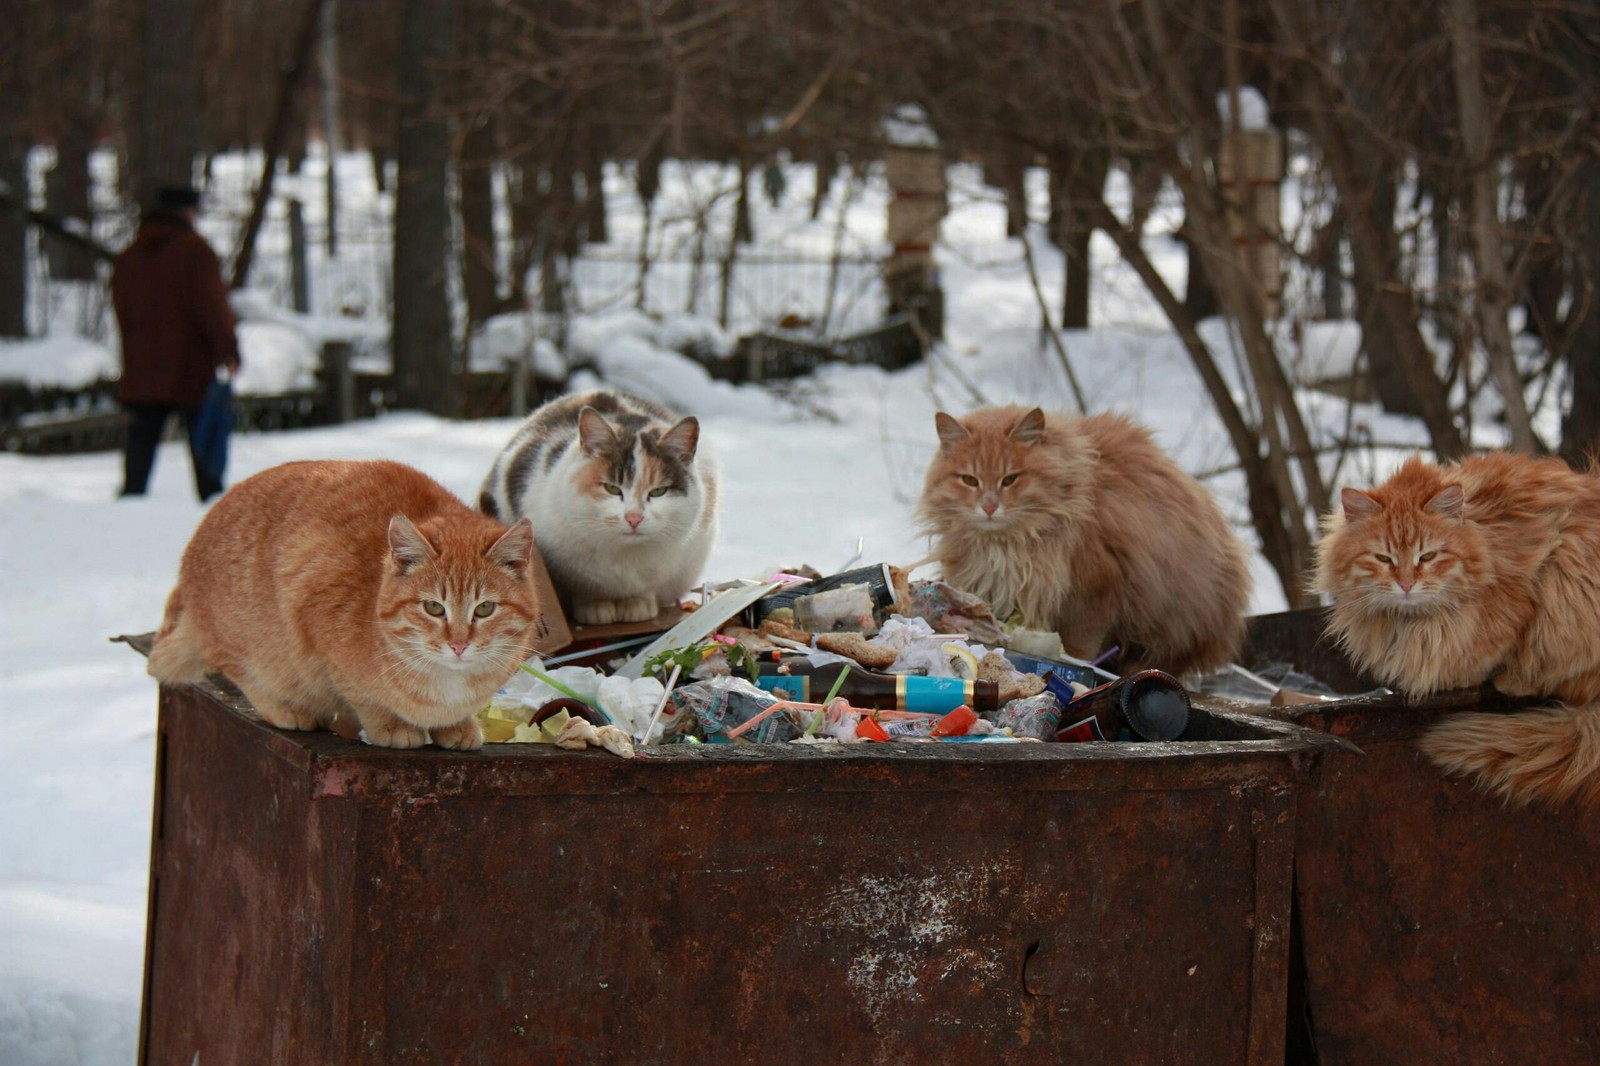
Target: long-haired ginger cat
(328, 589)
(1485, 570)
(1083, 526)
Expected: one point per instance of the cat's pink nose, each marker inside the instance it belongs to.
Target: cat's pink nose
(990, 506)
(634, 518)
(1405, 586)
(460, 646)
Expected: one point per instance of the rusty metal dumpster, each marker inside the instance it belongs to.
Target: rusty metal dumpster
(1437, 924)
(314, 900)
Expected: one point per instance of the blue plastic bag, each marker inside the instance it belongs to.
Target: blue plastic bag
(212, 426)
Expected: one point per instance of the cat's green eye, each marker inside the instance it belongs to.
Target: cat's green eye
(615, 490)
(969, 481)
(656, 494)
(1009, 480)
(1384, 559)
(1427, 557)
(433, 607)
(484, 609)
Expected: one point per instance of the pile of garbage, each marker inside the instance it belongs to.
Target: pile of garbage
(863, 656)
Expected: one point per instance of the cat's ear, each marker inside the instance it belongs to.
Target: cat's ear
(1356, 504)
(1450, 501)
(950, 431)
(682, 439)
(1030, 430)
(594, 432)
(514, 548)
(407, 545)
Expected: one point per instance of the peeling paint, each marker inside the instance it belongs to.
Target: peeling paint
(915, 931)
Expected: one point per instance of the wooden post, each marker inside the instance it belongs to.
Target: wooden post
(1253, 200)
(299, 274)
(338, 381)
(916, 207)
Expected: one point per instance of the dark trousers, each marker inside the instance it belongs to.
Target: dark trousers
(146, 423)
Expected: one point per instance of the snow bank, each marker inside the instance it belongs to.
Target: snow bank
(61, 362)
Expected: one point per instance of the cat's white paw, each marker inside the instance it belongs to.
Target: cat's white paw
(465, 735)
(605, 612)
(396, 734)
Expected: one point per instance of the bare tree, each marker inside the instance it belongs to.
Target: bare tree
(168, 108)
(1494, 287)
(14, 49)
(423, 343)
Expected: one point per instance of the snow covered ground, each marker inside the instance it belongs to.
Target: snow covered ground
(806, 472)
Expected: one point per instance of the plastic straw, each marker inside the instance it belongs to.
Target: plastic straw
(838, 684)
(563, 689)
(672, 679)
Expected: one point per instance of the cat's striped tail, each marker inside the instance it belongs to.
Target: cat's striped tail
(1546, 756)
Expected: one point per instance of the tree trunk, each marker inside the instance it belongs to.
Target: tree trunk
(1580, 433)
(1072, 182)
(596, 227)
(424, 348)
(743, 233)
(1402, 365)
(67, 184)
(67, 194)
(1199, 295)
(278, 135)
(330, 119)
(1330, 262)
(168, 136)
(1013, 183)
(1267, 510)
(827, 167)
(13, 234)
(476, 176)
(1493, 297)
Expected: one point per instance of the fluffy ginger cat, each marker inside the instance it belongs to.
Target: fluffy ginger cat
(323, 589)
(626, 496)
(1084, 526)
(1485, 570)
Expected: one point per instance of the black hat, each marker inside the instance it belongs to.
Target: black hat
(177, 197)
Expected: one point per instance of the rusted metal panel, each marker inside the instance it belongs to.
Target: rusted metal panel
(1438, 924)
(317, 900)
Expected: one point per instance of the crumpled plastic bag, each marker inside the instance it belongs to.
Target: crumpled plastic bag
(1037, 716)
(629, 703)
(720, 704)
(632, 702)
(922, 652)
(951, 610)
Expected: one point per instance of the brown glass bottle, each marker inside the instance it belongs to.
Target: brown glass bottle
(906, 692)
(1148, 705)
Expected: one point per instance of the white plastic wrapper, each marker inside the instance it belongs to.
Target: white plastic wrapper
(525, 690)
(922, 652)
(630, 703)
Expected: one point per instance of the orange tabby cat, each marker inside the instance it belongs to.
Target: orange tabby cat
(1485, 570)
(1084, 526)
(326, 588)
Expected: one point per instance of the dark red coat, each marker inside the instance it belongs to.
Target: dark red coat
(173, 314)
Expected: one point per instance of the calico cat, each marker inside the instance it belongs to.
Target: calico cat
(626, 495)
(330, 589)
(1083, 526)
(1484, 570)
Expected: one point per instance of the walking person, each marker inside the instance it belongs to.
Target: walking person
(177, 330)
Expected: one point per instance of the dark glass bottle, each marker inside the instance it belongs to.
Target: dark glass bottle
(906, 692)
(1148, 705)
